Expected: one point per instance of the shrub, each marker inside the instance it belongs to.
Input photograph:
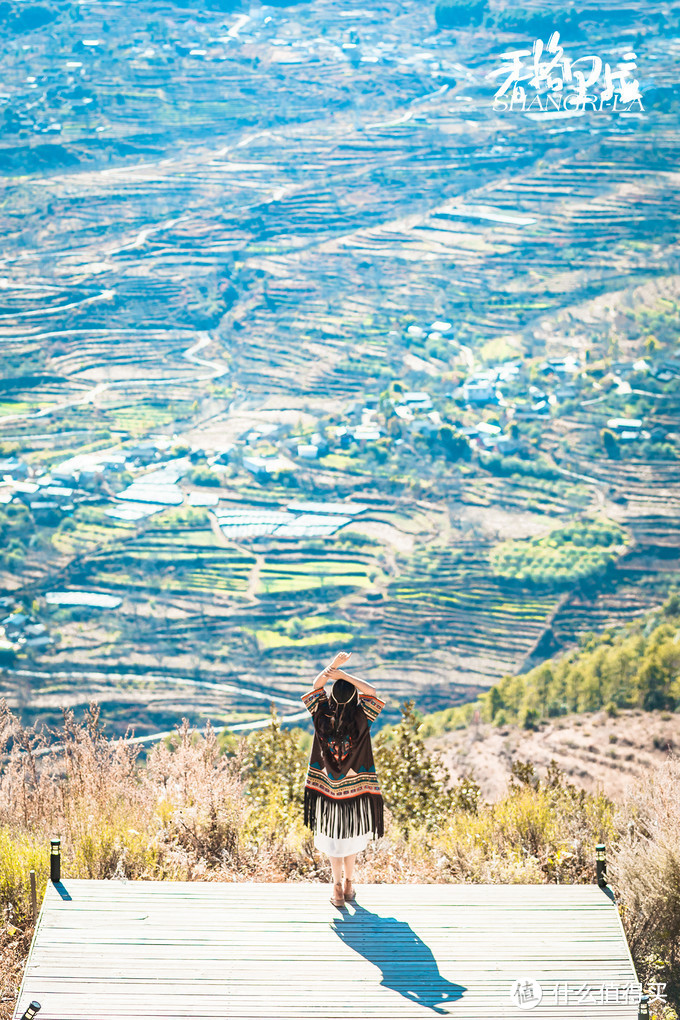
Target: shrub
(454, 444)
(645, 869)
(274, 771)
(537, 23)
(203, 476)
(536, 467)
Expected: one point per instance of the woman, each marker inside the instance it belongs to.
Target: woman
(343, 802)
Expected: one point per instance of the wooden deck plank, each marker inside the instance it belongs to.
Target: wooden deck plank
(248, 951)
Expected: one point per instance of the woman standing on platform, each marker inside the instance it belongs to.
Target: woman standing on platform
(343, 802)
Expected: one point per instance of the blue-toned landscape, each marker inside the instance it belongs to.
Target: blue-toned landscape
(334, 326)
(304, 345)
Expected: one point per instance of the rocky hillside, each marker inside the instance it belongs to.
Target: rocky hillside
(595, 751)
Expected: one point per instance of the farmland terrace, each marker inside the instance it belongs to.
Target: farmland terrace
(236, 244)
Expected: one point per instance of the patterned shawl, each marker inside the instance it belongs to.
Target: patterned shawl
(341, 785)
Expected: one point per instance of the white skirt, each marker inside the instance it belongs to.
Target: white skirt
(341, 847)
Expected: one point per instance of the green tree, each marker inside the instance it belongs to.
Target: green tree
(494, 703)
(413, 779)
(203, 476)
(454, 13)
(274, 769)
(610, 443)
(653, 680)
(455, 445)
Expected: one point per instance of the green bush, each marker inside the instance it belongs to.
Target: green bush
(274, 772)
(454, 444)
(536, 467)
(537, 22)
(203, 476)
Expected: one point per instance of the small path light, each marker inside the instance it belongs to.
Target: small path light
(55, 860)
(31, 1011)
(601, 864)
(643, 1010)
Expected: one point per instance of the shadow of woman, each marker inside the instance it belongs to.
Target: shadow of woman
(407, 964)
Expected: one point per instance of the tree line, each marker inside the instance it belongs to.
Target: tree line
(636, 666)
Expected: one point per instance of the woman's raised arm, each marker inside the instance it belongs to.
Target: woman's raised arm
(322, 678)
(361, 685)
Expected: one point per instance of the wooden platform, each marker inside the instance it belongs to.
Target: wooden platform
(108, 950)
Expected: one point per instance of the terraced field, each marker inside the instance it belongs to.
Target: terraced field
(448, 600)
(228, 243)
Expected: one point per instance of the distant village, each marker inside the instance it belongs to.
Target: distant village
(316, 209)
(501, 391)
(137, 480)
(65, 94)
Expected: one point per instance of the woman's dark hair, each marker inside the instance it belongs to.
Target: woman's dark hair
(338, 718)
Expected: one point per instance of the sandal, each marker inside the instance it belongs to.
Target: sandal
(340, 901)
(349, 890)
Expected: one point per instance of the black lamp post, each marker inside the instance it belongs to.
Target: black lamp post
(601, 865)
(31, 1011)
(55, 860)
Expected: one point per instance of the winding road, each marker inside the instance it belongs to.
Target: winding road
(241, 690)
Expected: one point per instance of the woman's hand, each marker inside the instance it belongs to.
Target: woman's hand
(339, 659)
(328, 673)
(324, 676)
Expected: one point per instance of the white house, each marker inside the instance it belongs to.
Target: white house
(480, 391)
(625, 428)
(403, 411)
(265, 464)
(310, 450)
(14, 467)
(417, 398)
(367, 432)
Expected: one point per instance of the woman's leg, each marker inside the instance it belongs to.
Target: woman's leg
(336, 868)
(349, 866)
(348, 887)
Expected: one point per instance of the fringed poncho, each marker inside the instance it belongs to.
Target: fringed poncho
(348, 802)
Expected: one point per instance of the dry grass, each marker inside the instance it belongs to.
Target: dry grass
(646, 864)
(192, 812)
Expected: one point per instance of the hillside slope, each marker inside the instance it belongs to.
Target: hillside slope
(596, 751)
(632, 667)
